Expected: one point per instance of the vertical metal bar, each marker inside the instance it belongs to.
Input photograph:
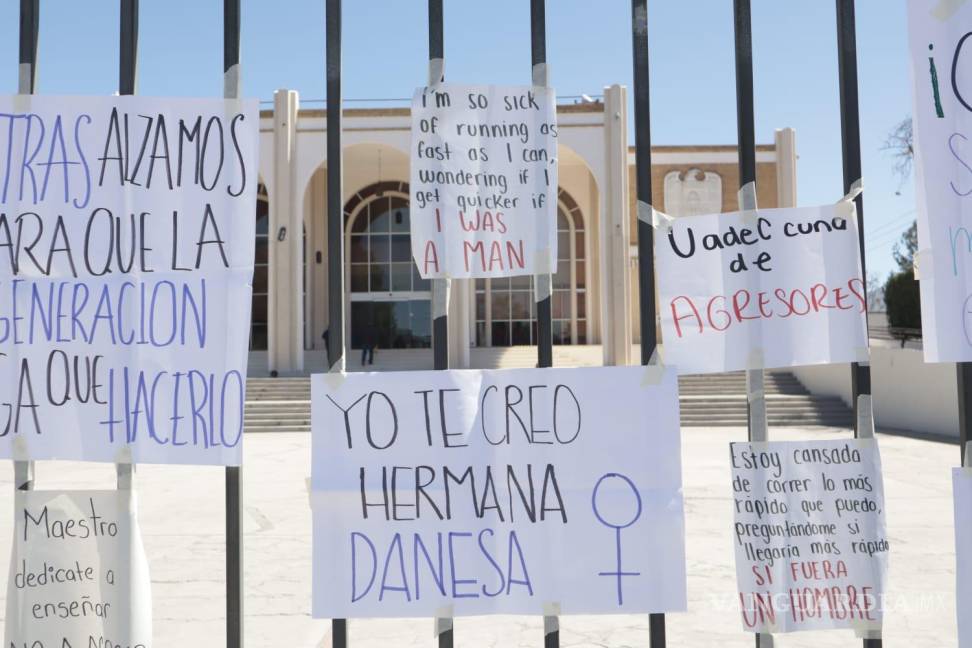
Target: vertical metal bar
(746, 145)
(444, 626)
(335, 223)
(127, 82)
(646, 234)
(234, 474)
(542, 283)
(964, 383)
(27, 83)
(850, 138)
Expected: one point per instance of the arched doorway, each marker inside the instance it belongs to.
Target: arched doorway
(259, 326)
(505, 309)
(388, 299)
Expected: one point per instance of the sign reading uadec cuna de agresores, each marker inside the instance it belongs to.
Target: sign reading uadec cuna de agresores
(126, 257)
(766, 288)
(484, 180)
(513, 491)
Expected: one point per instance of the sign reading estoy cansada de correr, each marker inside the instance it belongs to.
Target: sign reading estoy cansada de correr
(941, 64)
(810, 537)
(522, 491)
(126, 257)
(484, 180)
(766, 288)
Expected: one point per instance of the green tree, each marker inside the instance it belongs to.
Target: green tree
(904, 250)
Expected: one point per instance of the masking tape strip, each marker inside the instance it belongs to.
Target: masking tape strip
(650, 215)
(336, 374)
(968, 455)
(756, 399)
(654, 370)
(20, 449)
(747, 202)
(865, 417)
(862, 355)
(443, 620)
(541, 75)
(440, 297)
(23, 473)
(231, 82)
(946, 8)
(755, 359)
(544, 286)
(125, 474)
(24, 76)
(856, 188)
(551, 622)
(436, 71)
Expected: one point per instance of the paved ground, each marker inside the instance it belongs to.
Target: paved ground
(182, 524)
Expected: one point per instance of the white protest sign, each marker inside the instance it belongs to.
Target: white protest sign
(772, 288)
(126, 258)
(513, 491)
(809, 532)
(484, 180)
(78, 574)
(962, 496)
(941, 70)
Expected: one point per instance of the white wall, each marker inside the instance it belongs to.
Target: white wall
(908, 394)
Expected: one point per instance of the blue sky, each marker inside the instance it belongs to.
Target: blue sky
(589, 46)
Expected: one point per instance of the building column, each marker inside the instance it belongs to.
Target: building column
(786, 167)
(285, 300)
(615, 236)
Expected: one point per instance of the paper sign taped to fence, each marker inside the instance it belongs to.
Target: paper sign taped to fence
(497, 492)
(771, 288)
(78, 573)
(962, 491)
(809, 532)
(126, 258)
(484, 180)
(941, 71)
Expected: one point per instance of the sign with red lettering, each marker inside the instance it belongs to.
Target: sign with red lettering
(484, 181)
(767, 288)
(497, 492)
(941, 65)
(809, 532)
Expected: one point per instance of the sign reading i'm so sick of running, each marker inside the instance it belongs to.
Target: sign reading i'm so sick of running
(126, 257)
(497, 492)
(484, 180)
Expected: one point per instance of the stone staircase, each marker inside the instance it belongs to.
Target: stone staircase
(283, 404)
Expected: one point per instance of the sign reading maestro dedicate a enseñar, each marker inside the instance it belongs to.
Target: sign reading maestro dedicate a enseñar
(484, 180)
(941, 64)
(809, 532)
(126, 256)
(78, 573)
(766, 288)
(518, 491)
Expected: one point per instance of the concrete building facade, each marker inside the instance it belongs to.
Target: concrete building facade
(595, 288)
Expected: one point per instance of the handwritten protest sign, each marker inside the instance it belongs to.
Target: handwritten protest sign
(512, 491)
(811, 546)
(962, 497)
(771, 288)
(484, 180)
(941, 66)
(126, 257)
(78, 574)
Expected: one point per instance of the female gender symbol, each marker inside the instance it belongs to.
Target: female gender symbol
(618, 573)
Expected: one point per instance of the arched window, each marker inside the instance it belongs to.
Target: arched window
(389, 301)
(506, 308)
(261, 260)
